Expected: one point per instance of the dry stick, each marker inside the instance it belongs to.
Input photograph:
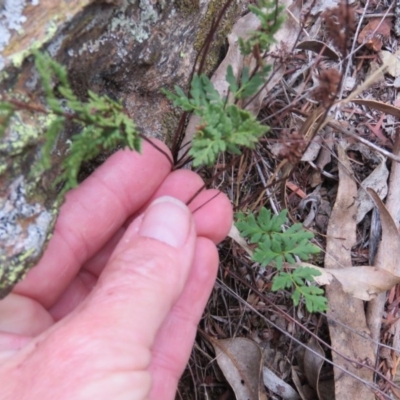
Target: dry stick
(212, 32)
(287, 107)
(373, 146)
(380, 15)
(348, 132)
(293, 320)
(178, 138)
(202, 205)
(309, 76)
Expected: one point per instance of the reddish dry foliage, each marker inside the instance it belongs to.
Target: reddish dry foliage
(293, 147)
(329, 81)
(340, 23)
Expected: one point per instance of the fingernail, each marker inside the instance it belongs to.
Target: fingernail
(167, 220)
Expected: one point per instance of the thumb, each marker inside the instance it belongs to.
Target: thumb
(146, 274)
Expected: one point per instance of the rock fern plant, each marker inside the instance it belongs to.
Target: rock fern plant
(225, 126)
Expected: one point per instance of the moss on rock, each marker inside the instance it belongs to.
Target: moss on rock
(187, 7)
(224, 28)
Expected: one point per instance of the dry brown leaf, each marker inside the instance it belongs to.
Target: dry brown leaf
(378, 105)
(363, 283)
(324, 157)
(305, 391)
(342, 307)
(242, 29)
(368, 282)
(241, 360)
(318, 47)
(313, 361)
(376, 307)
(371, 79)
(375, 33)
(278, 386)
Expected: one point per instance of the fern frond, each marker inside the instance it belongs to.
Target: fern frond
(222, 127)
(271, 19)
(104, 125)
(274, 243)
(298, 280)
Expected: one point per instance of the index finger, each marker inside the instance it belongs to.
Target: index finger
(91, 215)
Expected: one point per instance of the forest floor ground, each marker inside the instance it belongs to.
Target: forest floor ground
(281, 344)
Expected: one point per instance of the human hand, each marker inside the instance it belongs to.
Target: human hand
(111, 310)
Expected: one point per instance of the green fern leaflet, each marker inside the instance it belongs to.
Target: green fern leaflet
(222, 128)
(278, 246)
(274, 244)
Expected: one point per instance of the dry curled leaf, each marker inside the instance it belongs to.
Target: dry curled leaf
(375, 33)
(346, 314)
(318, 47)
(278, 386)
(241, 360)
(314, 357)
(378, 105)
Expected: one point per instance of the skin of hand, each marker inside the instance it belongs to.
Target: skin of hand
(111, 310)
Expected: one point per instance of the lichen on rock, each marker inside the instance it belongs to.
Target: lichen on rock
(11, 18)
(21, 242)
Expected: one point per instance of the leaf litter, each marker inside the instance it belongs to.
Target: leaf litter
(353, 183)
